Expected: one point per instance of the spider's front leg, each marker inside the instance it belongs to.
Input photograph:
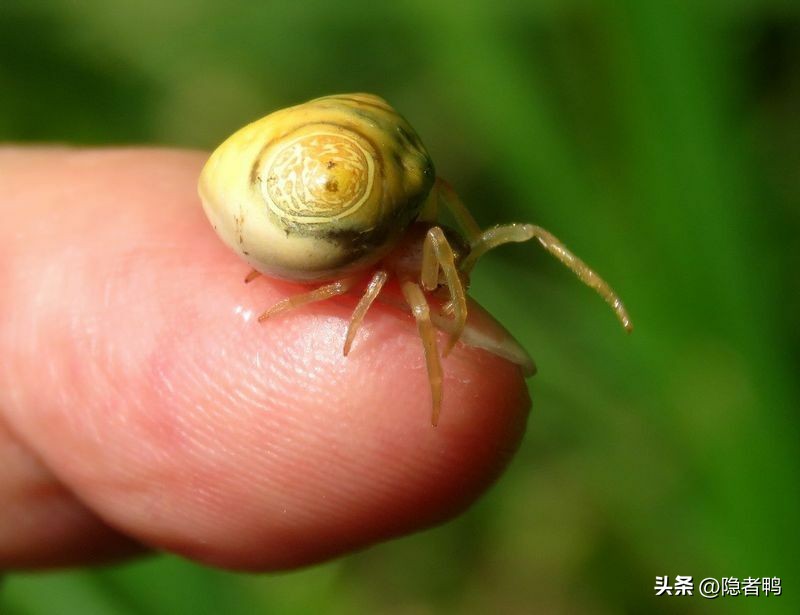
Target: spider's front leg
(419, 308)
(516, 232)
(437, 254)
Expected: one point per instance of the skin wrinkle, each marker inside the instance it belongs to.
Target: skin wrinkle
(311, 424)
(128, 371)
(275, 452)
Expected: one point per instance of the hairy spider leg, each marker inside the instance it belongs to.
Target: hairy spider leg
(370, 294)
(419, 308)
(456, 207)
(436, 254)
(328, 291)
(516, 232)
(334, 289)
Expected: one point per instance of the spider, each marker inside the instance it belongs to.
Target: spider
(339, 187)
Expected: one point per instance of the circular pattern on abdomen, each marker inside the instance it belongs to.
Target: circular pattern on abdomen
(319, 177)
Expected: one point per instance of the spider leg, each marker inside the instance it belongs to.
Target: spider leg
(339, 287)
(252, 276)
(437, 253)
(456, 207)
(430, 208)
(373, 290)
(507, 233)
(448, 308)
(419, 308)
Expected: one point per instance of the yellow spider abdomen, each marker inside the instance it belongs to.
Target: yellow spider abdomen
(319, 190)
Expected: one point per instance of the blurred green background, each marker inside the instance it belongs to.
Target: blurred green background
(660, 140)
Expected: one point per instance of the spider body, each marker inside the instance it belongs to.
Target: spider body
(319, 190)
(339, 187)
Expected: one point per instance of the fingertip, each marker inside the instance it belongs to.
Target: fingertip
(184, 422)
